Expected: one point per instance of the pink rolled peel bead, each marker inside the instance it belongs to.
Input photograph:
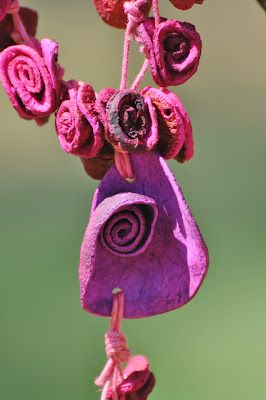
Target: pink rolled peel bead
(80, 130)
(175, 129)
(77, 124)
(32, 79)
(173, 50)
(137, 382)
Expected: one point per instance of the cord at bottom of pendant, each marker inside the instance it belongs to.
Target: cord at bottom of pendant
(135, 381)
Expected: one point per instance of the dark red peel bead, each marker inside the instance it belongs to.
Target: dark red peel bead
(185, 4)
(97, 167)
(138, 380)
(132, 123)
(112, 11)
(175, 130)
(173, 50)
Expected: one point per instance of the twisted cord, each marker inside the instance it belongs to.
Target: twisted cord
(116, 346)
(116, 349)
(156, 12)
(135, 16)
(140, 75)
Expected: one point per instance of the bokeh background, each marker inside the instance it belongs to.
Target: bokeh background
(215, 347)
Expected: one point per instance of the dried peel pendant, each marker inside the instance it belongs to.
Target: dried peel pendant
(141, 238)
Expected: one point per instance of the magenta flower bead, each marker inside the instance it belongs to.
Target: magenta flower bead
(141, 238)
(77, 124)
(175, 129)
(173, 50)
(132, 122)
(32, 79)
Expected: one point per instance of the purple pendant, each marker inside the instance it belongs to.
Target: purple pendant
(141, 238)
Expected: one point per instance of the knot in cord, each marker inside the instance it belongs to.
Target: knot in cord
(134, 14)
(116, 346)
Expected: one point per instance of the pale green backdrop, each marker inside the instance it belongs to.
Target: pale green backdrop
(215, 347)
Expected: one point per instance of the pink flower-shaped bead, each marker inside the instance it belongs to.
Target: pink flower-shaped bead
(132, 122)
(185, 4)
(32, 79)
(77, 124)
(173, 50)
(175, 129)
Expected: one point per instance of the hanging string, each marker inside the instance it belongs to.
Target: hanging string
(125, 63)
(156, 12)
(134, 16)
(140, 75)
(116, 349)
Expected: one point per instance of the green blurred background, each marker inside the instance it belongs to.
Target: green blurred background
(215, 347)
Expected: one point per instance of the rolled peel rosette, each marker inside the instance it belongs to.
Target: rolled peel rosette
(141, 238)
(175, 129)
(77, 124)
(32, 79)
(138, 381)
(29, 19)
(185, 4)
(132, 122)
(112, 11)
(173, 50)
(126, 223)
(128, 231)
